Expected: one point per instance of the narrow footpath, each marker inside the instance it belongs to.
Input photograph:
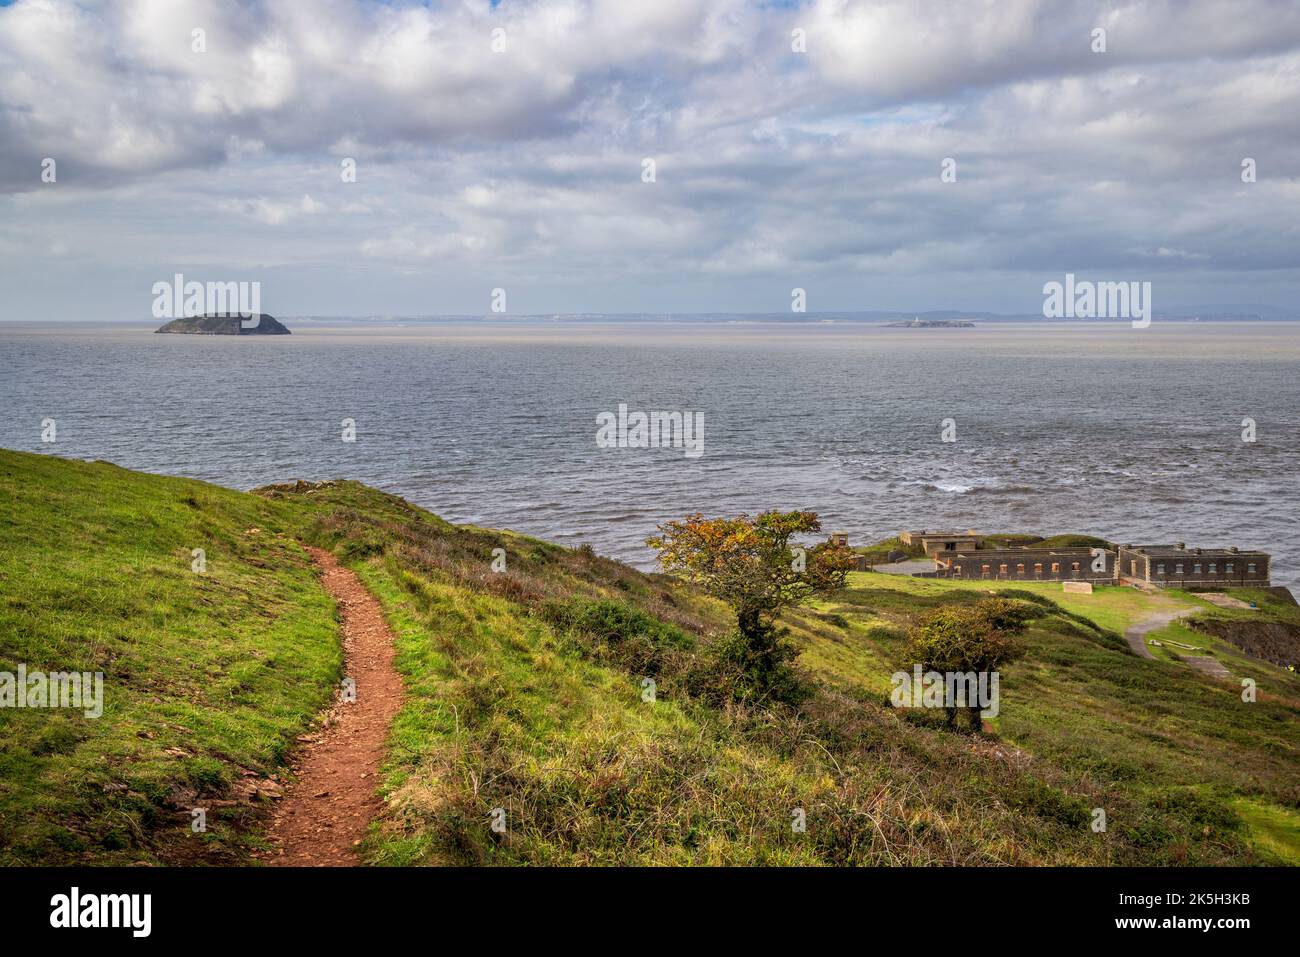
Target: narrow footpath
(1137, 633)
(325, 813)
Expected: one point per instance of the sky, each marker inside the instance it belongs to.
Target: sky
(794, 145)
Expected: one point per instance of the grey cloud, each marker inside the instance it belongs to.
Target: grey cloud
(477, 168)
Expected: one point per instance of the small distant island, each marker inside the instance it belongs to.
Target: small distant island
(919, 323)
(227, 324)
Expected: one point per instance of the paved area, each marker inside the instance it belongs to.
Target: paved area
(1137, 634)
(1223, 601)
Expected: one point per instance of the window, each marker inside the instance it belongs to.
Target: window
(1074, 566)
(1038, 568)
(1229, 567)
(1002, 568)
(956, 569)
(1133, 567)
(1056, 567)
(984, 570)
(1020, 568)
(1178, 568)
(1160, 568)
(1250, 568)
(1213, 568)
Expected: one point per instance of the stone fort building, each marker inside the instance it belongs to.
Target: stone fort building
(959, 556)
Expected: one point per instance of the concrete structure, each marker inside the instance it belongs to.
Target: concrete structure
(1178, 566)
(914, 536)
(1027, 564)
(934, 543)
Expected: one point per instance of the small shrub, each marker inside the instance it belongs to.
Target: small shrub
(619, 634)
(615, 622)
(736, 668)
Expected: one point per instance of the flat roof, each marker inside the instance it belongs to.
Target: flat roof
(1073, 551)
(1170, 551)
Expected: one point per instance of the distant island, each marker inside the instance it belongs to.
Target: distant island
(227, 324)
(919, 323)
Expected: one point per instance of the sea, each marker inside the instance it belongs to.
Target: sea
(1183, 431)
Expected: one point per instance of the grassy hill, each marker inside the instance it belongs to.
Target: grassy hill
(527, 691)
(208, 677)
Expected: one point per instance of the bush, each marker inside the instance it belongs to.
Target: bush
(975, 638)
(731, 668)
(619, 634)
(612, 622)
(739, 668)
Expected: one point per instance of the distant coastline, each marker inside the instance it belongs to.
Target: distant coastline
(806, 320)
(932, 324)
(868, 318)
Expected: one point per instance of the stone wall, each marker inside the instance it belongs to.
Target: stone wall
(1028, 564)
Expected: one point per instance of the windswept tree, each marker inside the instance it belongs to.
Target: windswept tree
(970, 639)
(752, 565)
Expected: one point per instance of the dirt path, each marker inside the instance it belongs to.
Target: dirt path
(324, 815)
(1136, 634)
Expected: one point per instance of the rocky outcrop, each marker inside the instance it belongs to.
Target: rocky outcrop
(226, 324)
(1273, 641)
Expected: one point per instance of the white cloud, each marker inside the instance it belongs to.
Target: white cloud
(477, 167)
(272, 213)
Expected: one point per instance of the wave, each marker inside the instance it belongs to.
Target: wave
(963, 486)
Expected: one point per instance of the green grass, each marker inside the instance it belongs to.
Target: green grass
(507, 711)
(880, 551)
(526, 692)
(1275, 831)
(1112, 607)
(1158, 739)
(208, 677)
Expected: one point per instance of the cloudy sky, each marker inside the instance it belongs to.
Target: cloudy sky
(515, 159)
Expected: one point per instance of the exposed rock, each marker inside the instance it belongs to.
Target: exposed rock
(1277, 642)
(297, 487)
(227, 324)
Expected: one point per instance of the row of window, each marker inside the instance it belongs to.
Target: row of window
(1228, 568)
(1020, 568)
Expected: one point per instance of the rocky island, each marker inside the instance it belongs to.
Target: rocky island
(227, 324)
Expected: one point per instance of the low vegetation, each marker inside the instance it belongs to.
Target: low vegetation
(209, 675)
(597, 706)
(978, 640)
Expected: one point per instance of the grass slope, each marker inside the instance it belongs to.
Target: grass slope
(1157, 745)
(510, 710)
(528, 697)
(208, 677)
